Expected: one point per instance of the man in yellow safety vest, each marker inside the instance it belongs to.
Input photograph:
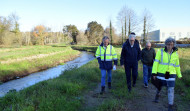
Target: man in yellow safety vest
(105, 54)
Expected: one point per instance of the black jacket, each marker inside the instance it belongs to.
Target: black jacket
(148, 56)
(130, 54)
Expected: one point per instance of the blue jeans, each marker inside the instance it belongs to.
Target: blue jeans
(103, 72)
(170, 95)
(147, 71)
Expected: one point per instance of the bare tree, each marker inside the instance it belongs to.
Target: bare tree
(82, 38)
(6, 37)
(111, 31)
(132, 20)
(128, 18)
(120, 20)
(14, 18)
(148, 24)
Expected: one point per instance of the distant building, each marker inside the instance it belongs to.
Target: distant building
(163, 33)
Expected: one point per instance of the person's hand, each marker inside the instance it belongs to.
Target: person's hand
(154, 77)
(122, 66)
(114, 67)
(180, 78)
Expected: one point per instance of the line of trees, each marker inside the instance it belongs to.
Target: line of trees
(127, 20)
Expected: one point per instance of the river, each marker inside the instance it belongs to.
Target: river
(50, 73)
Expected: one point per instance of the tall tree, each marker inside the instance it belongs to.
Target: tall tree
(148, 24)
(127, 14)
(111, 31)
(129, 26)
(120, 22)
(115, 38)
(72, 31)
(125, 28)
(15, 27)
(94, 32)
(122, 35)
(6, 36)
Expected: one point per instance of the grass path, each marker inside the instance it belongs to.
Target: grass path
(141, 99)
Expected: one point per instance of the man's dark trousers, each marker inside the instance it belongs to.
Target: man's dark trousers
(128, 68)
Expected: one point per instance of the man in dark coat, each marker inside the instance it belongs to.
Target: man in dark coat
(130, 55)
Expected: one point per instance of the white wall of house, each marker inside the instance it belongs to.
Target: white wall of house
(176, 33)
(163, 33)
(154, 36)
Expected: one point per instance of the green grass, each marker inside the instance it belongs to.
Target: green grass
(112, 105)
(62, 93)
(14, 53)
(66, 92)
(14, 69)
(85, 48)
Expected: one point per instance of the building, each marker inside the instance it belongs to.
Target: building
(163, 33)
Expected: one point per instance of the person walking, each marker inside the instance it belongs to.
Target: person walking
(147, 58)
(106, 54)
(130, 55)
(165, 69)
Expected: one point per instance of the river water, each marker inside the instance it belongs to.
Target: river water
(37, 77)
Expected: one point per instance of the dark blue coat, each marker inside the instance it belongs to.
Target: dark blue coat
(130, 55)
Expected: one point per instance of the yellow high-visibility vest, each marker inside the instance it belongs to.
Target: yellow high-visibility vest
(109, 55)
(166, 62)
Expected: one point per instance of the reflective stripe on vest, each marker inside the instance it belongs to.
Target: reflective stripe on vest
(100, 50)
(161, 62)
(110, 49)
(163, 78)
(106, 54)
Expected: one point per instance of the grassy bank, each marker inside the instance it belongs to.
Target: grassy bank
(18, 62)
(62, 93)
(183, 86)
(85, 48)
(67, 92)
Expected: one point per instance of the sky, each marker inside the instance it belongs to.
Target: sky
(58, 13)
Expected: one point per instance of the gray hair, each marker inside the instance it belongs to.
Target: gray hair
(170, 39)
(132, 35)
(148, 42)
(105, 38)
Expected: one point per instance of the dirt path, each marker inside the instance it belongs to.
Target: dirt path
(143, 100)
(145, 96)
(94, 99)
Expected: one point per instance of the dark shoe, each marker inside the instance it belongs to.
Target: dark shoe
(102, 90)
(129, 89)
(145, 85)
(109, 85)
(170, 107)
(157, 98)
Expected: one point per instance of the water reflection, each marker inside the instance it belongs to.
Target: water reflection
(34, 78)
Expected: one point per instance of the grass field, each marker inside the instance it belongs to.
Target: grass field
(67, 92)
(18, 62)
